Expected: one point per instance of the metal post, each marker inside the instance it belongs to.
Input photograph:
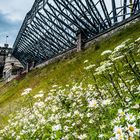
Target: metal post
(124, 9)
(114, 11)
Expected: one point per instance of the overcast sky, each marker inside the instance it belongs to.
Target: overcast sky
(12, 13)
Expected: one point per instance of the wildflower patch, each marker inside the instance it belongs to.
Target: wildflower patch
(107, 108)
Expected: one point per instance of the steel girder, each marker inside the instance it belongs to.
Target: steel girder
(50, 27)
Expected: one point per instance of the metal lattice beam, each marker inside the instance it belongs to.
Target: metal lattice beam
(50, 27)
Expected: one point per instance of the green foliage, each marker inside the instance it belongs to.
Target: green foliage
(104, 109)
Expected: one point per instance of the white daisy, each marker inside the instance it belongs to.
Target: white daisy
(93, 103)
(130, 118)
(118, 130)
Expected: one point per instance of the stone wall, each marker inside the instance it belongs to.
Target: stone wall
(62, 56)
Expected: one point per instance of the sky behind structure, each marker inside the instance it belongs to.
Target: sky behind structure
(12, 13)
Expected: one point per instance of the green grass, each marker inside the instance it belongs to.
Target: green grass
(61, 72)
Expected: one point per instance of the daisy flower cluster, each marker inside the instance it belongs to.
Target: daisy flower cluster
(105, 108)
(125, 127)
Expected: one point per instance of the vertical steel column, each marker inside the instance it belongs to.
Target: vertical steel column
(124, 9)
(135, 5)
(114, 11)
(139, 5)
(103, 5)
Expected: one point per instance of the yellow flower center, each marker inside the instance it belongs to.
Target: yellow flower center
(130, 138)
(119, 131)
(122, 113)
(131, 128)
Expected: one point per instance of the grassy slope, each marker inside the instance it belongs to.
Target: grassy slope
(61, 72)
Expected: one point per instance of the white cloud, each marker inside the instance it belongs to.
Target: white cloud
(12, 13)
(15, 10)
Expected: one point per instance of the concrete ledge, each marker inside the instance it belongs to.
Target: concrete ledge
(62, 56)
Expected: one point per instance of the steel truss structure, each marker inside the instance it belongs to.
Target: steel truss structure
(50, 27)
